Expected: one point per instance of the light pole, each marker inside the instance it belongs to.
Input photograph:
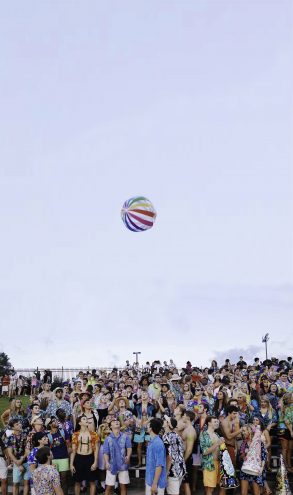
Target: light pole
(136, 358)
(265, 341)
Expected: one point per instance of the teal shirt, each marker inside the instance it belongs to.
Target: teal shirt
(205, 443)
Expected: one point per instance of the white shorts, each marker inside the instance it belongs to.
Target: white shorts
(123, 478)
(160, 491)
(5, 388)
(3, 469)
(173, 485)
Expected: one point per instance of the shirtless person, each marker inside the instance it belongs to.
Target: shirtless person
(189, 437)
(84, 456)
(210, 443)
(231, 429)
(179, 411)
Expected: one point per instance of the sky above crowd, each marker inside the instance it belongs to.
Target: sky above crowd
(188, 103)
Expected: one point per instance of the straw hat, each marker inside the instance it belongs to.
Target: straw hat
(118, 399)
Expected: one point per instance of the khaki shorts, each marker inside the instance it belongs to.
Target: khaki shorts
(123, 478)
(212, 478)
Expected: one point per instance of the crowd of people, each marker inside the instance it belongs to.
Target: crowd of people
(171, 423)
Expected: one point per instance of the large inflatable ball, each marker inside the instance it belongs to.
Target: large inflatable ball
(138, 214)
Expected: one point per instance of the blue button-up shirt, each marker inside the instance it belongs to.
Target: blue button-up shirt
(156, 456)
(116, 449)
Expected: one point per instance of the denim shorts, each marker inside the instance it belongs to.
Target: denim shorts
(18, 475)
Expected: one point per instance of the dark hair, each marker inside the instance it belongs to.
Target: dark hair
(190, 415)
(13, 422)
(173, 423)
(261, 423)
(156, 425)
(37, 437)
(278, 391)
(43, 455)
(206, 406)
(254, 395)
(77, 427)
(60, 413)
(209, 419)
(143, 378)
(113, 419)
(231, 409)
(217, 409)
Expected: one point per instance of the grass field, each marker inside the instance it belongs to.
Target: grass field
(4, 404)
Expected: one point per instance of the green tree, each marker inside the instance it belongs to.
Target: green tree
(5, 364)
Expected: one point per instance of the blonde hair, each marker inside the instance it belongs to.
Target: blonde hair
(269, 405)
(13, 409)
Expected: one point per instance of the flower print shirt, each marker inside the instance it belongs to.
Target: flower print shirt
(116, 449)
(76, 439)
(274, 400)
(205, 443)
(288, 416)
(31, 458)
(54, 405)
(175, 449)
(45, 479)
(66, 426)
(17, 443)
(125, 416)
(266, 419)
(285, 415)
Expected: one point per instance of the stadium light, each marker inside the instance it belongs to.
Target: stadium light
(136, 358)
(265, 341)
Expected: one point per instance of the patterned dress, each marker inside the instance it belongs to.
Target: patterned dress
(259, 480)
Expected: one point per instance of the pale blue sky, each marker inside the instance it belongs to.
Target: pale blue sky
(187, 103)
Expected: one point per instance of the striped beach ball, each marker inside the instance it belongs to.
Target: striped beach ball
(138, 214)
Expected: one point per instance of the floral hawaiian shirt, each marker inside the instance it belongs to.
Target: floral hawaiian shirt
(205, 444)
(54, 405)
(45, 479)
(175, 449)
(17, 443)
